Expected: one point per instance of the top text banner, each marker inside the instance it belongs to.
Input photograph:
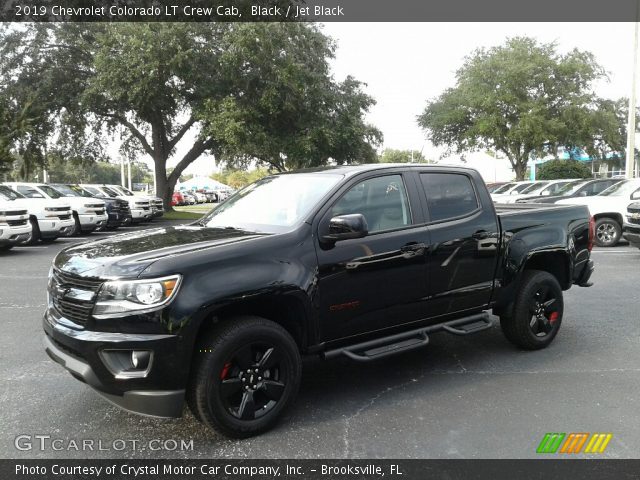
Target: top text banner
(318, 10)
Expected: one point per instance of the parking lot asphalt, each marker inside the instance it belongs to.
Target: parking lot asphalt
(460, 397)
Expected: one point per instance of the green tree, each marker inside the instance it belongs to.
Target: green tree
(285, 111)
(151, 85)
(391, 155)
(559, 169)
(523, 99)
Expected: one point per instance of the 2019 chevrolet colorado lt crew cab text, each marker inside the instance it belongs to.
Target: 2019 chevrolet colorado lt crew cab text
(359, 261)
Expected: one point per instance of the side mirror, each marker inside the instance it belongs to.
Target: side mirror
(35, 195)
(546, 193)
(582, 194)
(635, 195)
(345, 227)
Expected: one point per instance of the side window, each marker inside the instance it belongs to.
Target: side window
(449, 195)
(382, 200)
(598, 187)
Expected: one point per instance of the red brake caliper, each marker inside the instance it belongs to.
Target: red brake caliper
(553, 317)
(225, 370)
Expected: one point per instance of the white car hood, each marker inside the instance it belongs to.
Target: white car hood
(600, 203)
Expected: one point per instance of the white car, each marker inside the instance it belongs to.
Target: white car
(140, 207)
(539, 188)
(88, 213)
(49, 218)
(500, 195)
(157, 205)
(14, 224)
(609, 209)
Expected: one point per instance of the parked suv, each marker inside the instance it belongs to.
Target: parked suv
(113, 206)
(357, 261)
(14, 224)
(140, 208)
(157, 205)
(49, 218)
(575, 188)
(631, 228)
(609, 209)
(88, 213)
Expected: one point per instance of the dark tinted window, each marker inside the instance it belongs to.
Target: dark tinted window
(449, 195)
(382, 200)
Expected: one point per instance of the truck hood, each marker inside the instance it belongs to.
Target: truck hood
(129, 254)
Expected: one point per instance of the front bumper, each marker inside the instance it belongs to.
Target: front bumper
(631, 233)
(91, 221)
(139, 215)
(79, 352)
(53, 227)
(13, 235)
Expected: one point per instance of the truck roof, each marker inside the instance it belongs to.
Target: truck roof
(350, 170)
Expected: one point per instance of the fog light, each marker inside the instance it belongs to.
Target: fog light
(140, 359)
(125, 364)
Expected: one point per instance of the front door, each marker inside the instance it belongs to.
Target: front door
(377, 281)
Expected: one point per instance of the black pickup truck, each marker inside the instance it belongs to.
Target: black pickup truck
(355, 261)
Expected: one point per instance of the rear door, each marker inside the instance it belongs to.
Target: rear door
(378, 281)
(463, 246)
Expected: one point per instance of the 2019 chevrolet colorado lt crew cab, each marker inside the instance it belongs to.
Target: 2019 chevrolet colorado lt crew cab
(355, 261)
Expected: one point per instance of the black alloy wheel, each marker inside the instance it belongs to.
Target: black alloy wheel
(246, 373)
(252, 381)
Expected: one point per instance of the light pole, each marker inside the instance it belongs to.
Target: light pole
(631, 121)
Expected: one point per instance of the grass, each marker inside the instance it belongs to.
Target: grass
(182, 215)
(188, 212)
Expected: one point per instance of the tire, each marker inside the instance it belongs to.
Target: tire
(607, 232)
(77, 228)
(250, 402)
(35, 233)
(537, 312)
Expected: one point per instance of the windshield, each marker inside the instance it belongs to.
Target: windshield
(570, 187)
(110, 191)
(521, 188)
(273, 204)
(7, 194)
(626, 187)
(66, 191)
(503, 188)
(50, 191)
(534, 187)
(120, 190)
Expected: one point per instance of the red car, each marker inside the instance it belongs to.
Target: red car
(177, 199)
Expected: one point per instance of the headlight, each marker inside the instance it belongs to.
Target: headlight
(122, 297)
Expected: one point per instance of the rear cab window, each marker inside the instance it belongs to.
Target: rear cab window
(449, 195)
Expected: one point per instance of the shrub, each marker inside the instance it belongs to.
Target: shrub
(559, 169)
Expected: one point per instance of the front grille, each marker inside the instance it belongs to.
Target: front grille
(17, 223)
(635, 221)
(99, 212)
(16, 213)
(57, 209)
(76, 310)
(64, 217)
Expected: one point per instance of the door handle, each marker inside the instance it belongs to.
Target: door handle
(413, 247)
(480, 235)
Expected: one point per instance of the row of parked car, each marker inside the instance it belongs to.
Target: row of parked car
(193, 197)
(40, 212)
(613, 202)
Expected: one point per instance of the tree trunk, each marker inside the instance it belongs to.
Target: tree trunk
(163, 189)
(520, 167)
